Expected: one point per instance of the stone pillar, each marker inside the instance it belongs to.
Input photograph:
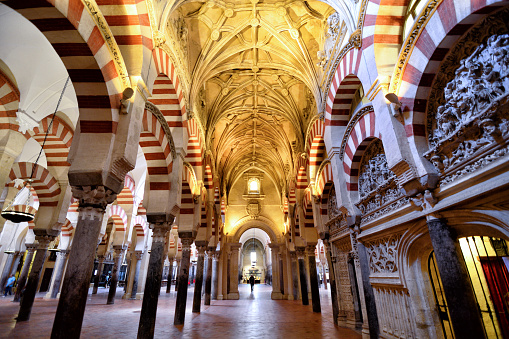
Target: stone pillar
(97, 278)
(324, 275)
(178, 274)
(201, 246)
(15, 264)
(215, 276)
(7, 269)
(33, 279)
(134, 290)
(463, 311)
(24, 271)
(119, 251)
(313, 278)
(276, 289)
(183, 278)
(170, 275)
(160, 228)
(332, 278)
(281, 275)
(295, 276)
(208, 278)
(234, 271)
(369, 295)
(58, 272)
(302, 274)
(73, 296)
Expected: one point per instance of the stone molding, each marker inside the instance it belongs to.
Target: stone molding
(97, 197)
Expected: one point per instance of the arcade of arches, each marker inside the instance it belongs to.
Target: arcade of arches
(355, 145)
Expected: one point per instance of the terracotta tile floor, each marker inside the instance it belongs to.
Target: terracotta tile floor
(253, 316)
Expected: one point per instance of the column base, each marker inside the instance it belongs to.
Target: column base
(290, 297)
(276, 296)
(47, 295)
(233, 296)
(220, 297)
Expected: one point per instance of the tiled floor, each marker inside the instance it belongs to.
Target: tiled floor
(253, 316)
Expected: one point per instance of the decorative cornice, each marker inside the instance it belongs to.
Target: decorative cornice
(164, 124)
(102, 25)
(409, 44)
(356, 117)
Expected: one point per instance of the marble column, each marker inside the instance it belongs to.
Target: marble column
(313, 278)
(208, 278)
(22, 279)
(7, 269)
(154, 276)
(295, 276)
(183, 278)
(369, 295)
(97, 278)
(276, 289)
(73, 296)
(27, 301)
(58, 272)
(234, 271)
(15, 264)
(215, 276)
(463, 311)
(324, 275)
(139, 256)
(332, 278)
(177, 268)
(170, 275)
(302, 274)
(119, 256)
(201, 246)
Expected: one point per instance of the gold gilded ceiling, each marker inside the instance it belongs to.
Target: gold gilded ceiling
(254, 79)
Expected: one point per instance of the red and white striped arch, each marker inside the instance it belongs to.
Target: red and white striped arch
(325, 200)
(447, 24)
(9, 103)
(208, 180)
(325, 176)
(67, 229)
(165, 97)
(78, 40)
(292, 199)
(164, 66)
(302, 179)
(141, 209)
(223, 208)
(35, 199)
(360, 136)
(194, 146)
(307, 205)
(342, 89)
(44, 184)
(157, 152)
(119, 217)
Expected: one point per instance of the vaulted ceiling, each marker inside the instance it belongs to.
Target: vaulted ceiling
(254, 79)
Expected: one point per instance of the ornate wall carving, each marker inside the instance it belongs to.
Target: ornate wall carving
(395, 314)
(382, 254)
(469, 124)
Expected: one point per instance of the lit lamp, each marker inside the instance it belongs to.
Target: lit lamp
(24, 213)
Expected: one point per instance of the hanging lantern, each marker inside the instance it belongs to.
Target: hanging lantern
(20, 212)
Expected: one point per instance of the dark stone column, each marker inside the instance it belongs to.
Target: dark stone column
(119, 251)
(7, 269)
(134, 290)
(313, 278)
(208, 278)
(215, 276)
(160, 228)
(460, 297)
(281, 275)
(97, 278)
(302, 273)
(183, 278)
(228, 274)
(33, 279)
(332, 279)
(170, 275)
(177, 268)
(295, 277)
(73, 297)
(22, 279)
(15, 264)
(369, 295)
(58, 272)
(201, 246)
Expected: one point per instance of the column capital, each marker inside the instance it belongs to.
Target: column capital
(300, 251)
(186, 244)
(310, 249)
(118, 249)
(235, 246)
(159, 231)
(293, 255)
(101, 257)
(274, 247)
(93, 198)
(62, 254)
(201, 248)
(138, 254)
(31, 247)
(44, 241)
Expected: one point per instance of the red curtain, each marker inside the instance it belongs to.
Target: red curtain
(497, 277)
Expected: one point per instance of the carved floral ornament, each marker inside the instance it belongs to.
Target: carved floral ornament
(472, 123)
(383, 254)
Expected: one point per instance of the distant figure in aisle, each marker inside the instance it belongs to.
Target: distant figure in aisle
(9, 284)
(251, 281)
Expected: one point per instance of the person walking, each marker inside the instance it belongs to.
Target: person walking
(9, 284)
(252, 282)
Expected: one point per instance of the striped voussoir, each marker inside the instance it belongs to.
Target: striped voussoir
(141, 209)
(9, 103)
(317, 150)
(140, 225)
(164, 66)
(165, 97)
(126, 196)
(208, 180)
(223, 207)
(307, 206)
(450, 20)
(360, 136)
(24, 208)
(119, 217)
(325, 199)
(302, 179)
(342, 90)
(44, 184)
(194, 145)
(325, 176)
(157, 152)
(186, 201)
(292, 199)
(78, 41)
(203, 215)
(67, 228)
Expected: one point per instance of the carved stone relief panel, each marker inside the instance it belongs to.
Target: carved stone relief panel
(382, 254)
(332, 204)
(468, 110)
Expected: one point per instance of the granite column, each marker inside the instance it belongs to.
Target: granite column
(22, 279)
(170, 275)
(119, 256)
(313, 278)
(201, 246)
(215, 276)
(183, 278)
(134, 290)
(302, 274)
(97, 278)
(58, 273)
(295, 276)
(208, 278)
(332, 278)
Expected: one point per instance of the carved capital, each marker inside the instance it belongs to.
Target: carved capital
(119, 249)
(424, 202)
(31, 247)
(100, 258)
(186, 244)
(138, 254)
(63, 254)
(301, 252)
(43, 241)
(159, 231)
(96, 197)
(310, 250)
